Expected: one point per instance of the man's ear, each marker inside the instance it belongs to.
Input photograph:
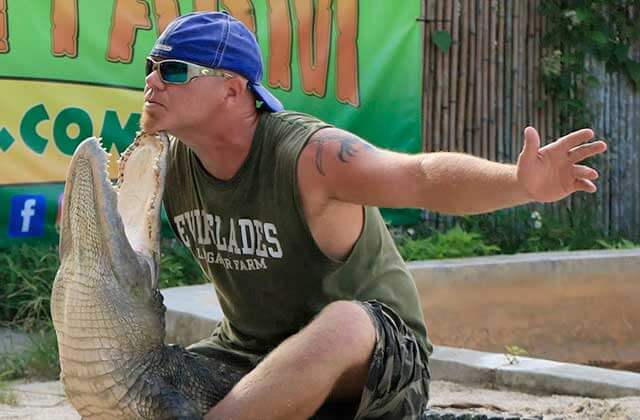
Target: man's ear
(235, 88)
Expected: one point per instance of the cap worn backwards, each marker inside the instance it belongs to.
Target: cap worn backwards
(216, 40)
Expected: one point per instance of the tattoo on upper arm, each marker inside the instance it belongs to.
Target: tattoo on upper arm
(350, 145)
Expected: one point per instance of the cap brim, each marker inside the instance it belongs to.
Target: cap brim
(267, 98)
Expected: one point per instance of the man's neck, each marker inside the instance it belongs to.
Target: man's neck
(223, 150)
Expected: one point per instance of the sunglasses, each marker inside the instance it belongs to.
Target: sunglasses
(178, 72)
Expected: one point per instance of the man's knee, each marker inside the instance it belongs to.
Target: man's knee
(347, 328)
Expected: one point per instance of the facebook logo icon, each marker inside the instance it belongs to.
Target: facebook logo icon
(27, 215)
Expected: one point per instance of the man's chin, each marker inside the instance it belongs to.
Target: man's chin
(149, 125)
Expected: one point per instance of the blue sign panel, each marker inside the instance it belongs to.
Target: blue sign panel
(27, 215)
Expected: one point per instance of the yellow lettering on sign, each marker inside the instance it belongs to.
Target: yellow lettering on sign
(279, 44)
(64, 28)
(4, 34)
(347, 52)
(166, 11)
(314, 39)
(205, 5)
(128, 17)
(243, 11)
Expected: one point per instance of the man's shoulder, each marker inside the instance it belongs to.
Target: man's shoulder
(295, 118)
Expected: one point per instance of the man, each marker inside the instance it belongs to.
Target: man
(278, 208)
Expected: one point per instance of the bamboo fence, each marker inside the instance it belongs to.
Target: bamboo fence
(482, 93)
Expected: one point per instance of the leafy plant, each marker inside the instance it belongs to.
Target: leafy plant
(617, 244)
(576, 29)
(26, 276)
(513, 353)
(455, 243)
(178, 267)
(442, 40)
(517, 230)
(38, 360)
(7, 395)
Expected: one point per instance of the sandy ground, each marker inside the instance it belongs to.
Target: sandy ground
(46, 400)
(550, 407)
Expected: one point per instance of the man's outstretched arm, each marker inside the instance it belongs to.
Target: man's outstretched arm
(343, 167)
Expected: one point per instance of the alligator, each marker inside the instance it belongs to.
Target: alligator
(107, 311)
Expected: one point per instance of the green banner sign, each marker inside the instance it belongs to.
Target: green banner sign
(70, 69)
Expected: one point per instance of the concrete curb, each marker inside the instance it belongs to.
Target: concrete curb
(613, 263)
(193, 311)
(530, 375)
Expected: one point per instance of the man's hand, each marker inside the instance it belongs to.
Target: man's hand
(553, 172)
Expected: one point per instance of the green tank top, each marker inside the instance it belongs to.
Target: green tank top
(250, 236)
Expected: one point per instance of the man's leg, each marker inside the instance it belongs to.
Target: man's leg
(330, 356)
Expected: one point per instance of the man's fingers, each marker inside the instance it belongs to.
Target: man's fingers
(584, 172)
(576, 138)
(584, 185)
(584, 151)
(531, 142)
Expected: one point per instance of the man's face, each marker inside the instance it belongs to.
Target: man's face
(176, 108)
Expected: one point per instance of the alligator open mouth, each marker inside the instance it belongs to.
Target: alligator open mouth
(128, 211)
(142, 169)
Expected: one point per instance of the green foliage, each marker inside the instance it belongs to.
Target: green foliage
(454, 243)
(522, 230)
(442, 40)
(178, 267)
(7, 395)
(508, 232)
(579, 28)
(38, 360)
(26, 276)
(616, 244)
(513, 353)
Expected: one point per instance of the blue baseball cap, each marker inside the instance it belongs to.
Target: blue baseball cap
(217, 40)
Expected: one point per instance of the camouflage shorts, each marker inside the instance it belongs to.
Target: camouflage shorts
(398, 383)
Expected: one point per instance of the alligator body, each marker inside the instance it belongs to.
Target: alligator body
(107, 311)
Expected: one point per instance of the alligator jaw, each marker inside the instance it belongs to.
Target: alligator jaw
(125, 220)
(142, 170)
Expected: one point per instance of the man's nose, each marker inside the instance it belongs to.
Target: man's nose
(153, 80)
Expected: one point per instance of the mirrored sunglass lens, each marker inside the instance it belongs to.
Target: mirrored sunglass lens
(148, 67)
(173, 71)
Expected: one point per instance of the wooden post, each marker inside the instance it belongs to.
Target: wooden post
(515, 76)
(463, 87)
(455, 74)
(427, 79)
(471, 66)
(501, 53)
(477, 129)
(508, 81)
(522, 80)
(493, 90)
(530, 49)
(445, 76)
(537, 111)
(486, 53)
(437, 117)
